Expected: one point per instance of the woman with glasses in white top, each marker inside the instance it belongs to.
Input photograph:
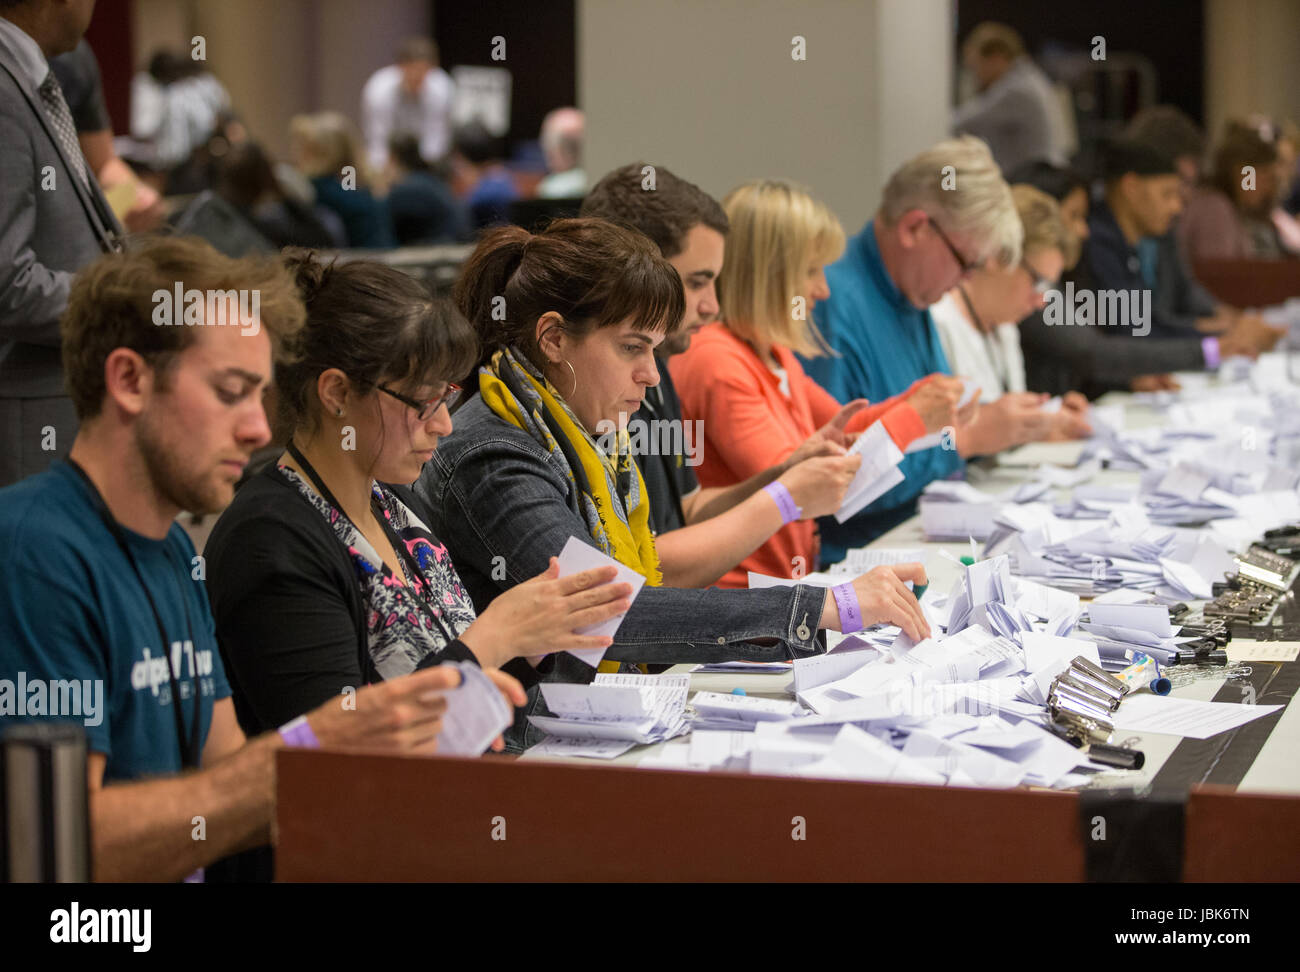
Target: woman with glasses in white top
(977, 322)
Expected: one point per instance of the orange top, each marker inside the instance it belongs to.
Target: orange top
(749, 426)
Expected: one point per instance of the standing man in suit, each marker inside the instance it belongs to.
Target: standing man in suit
(53, 221)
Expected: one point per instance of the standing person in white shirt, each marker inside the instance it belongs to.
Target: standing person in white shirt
(977, 322)
(413, 95)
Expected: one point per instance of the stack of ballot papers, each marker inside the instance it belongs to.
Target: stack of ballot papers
(955, 510)
(1122, 623)
(860, 560)
(612, 714)
(713, 710)
(1124, 550)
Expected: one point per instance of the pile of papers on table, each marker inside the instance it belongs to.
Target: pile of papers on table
(612, 714)
(959, 708)
(1124, 550)
(963, 707)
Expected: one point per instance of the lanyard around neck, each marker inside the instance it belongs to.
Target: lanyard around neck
(398, 545)
(189, 746)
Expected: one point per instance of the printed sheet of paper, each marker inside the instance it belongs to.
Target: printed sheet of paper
(878, 472)
(577, 557)
(1240, 650)
(1142, 712)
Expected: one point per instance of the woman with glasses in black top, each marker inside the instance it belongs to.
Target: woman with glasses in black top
(322, 576)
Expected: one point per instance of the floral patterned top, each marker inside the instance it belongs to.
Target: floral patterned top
(403, 624)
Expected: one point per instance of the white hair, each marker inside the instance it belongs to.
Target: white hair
(958, 183)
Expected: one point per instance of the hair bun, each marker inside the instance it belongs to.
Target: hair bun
(309, 272)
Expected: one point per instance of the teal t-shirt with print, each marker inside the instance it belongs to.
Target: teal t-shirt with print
(78, 640)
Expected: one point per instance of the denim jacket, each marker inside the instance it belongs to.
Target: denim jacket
(503, 508)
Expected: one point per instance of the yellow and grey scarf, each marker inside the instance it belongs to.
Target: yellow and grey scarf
(618, 520)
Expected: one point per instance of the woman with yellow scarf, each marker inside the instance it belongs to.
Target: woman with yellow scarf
(569, 319)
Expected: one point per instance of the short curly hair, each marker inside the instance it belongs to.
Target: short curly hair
(665, 213)
(112, 305)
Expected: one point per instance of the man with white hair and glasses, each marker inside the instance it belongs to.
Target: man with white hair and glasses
(942, 215)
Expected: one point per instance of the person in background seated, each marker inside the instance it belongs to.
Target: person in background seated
(244, 178)
(324, 149)
(1142, 197)
(103, 585)
(977, 319)
(741, 380)
(1230, 217)
(481, 177)
(943, 213)
(700, 533)
(538, 456)
(1059, 360)
(423, 208)
(563, 131)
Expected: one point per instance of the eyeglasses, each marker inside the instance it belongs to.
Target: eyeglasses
(425, 410)
(966, 268)
(1041, 284)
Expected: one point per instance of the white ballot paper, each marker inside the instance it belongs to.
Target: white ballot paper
(1141, 712)
(476, 714)
(577, 557)
(878, 472)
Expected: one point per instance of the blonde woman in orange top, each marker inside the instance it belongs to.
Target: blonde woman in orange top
(741, 376)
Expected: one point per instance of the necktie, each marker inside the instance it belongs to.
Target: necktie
(60, 118)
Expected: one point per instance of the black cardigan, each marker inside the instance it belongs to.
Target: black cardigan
(290, 619)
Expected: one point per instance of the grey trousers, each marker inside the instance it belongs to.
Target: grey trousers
(33, 433)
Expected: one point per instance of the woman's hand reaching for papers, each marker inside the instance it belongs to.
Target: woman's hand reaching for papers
(883, 598)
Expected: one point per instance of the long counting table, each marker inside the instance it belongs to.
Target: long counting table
(1234, 799)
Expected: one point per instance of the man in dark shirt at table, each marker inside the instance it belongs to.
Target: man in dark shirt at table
(1142, 197)
(689, 227)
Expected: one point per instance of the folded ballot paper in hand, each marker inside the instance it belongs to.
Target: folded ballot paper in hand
(612, 714)
(878, 472)
(578, 556)
(476, 714)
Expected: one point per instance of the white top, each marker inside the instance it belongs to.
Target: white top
(563, 185)
(385, 108)
(994, 361)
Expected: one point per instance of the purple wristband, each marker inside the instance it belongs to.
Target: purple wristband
(1210, 348)
(784, 502)
(846, 601)
(297, 732)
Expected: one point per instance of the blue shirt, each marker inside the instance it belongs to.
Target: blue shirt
(883, 344)
(72, 609)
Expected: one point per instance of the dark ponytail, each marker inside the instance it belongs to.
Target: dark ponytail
(483, 278)
(591, 272)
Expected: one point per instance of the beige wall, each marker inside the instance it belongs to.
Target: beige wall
(282, 57)
(710, 90)
(1252, 62)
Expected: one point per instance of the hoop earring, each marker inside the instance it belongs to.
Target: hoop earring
(569, 396)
